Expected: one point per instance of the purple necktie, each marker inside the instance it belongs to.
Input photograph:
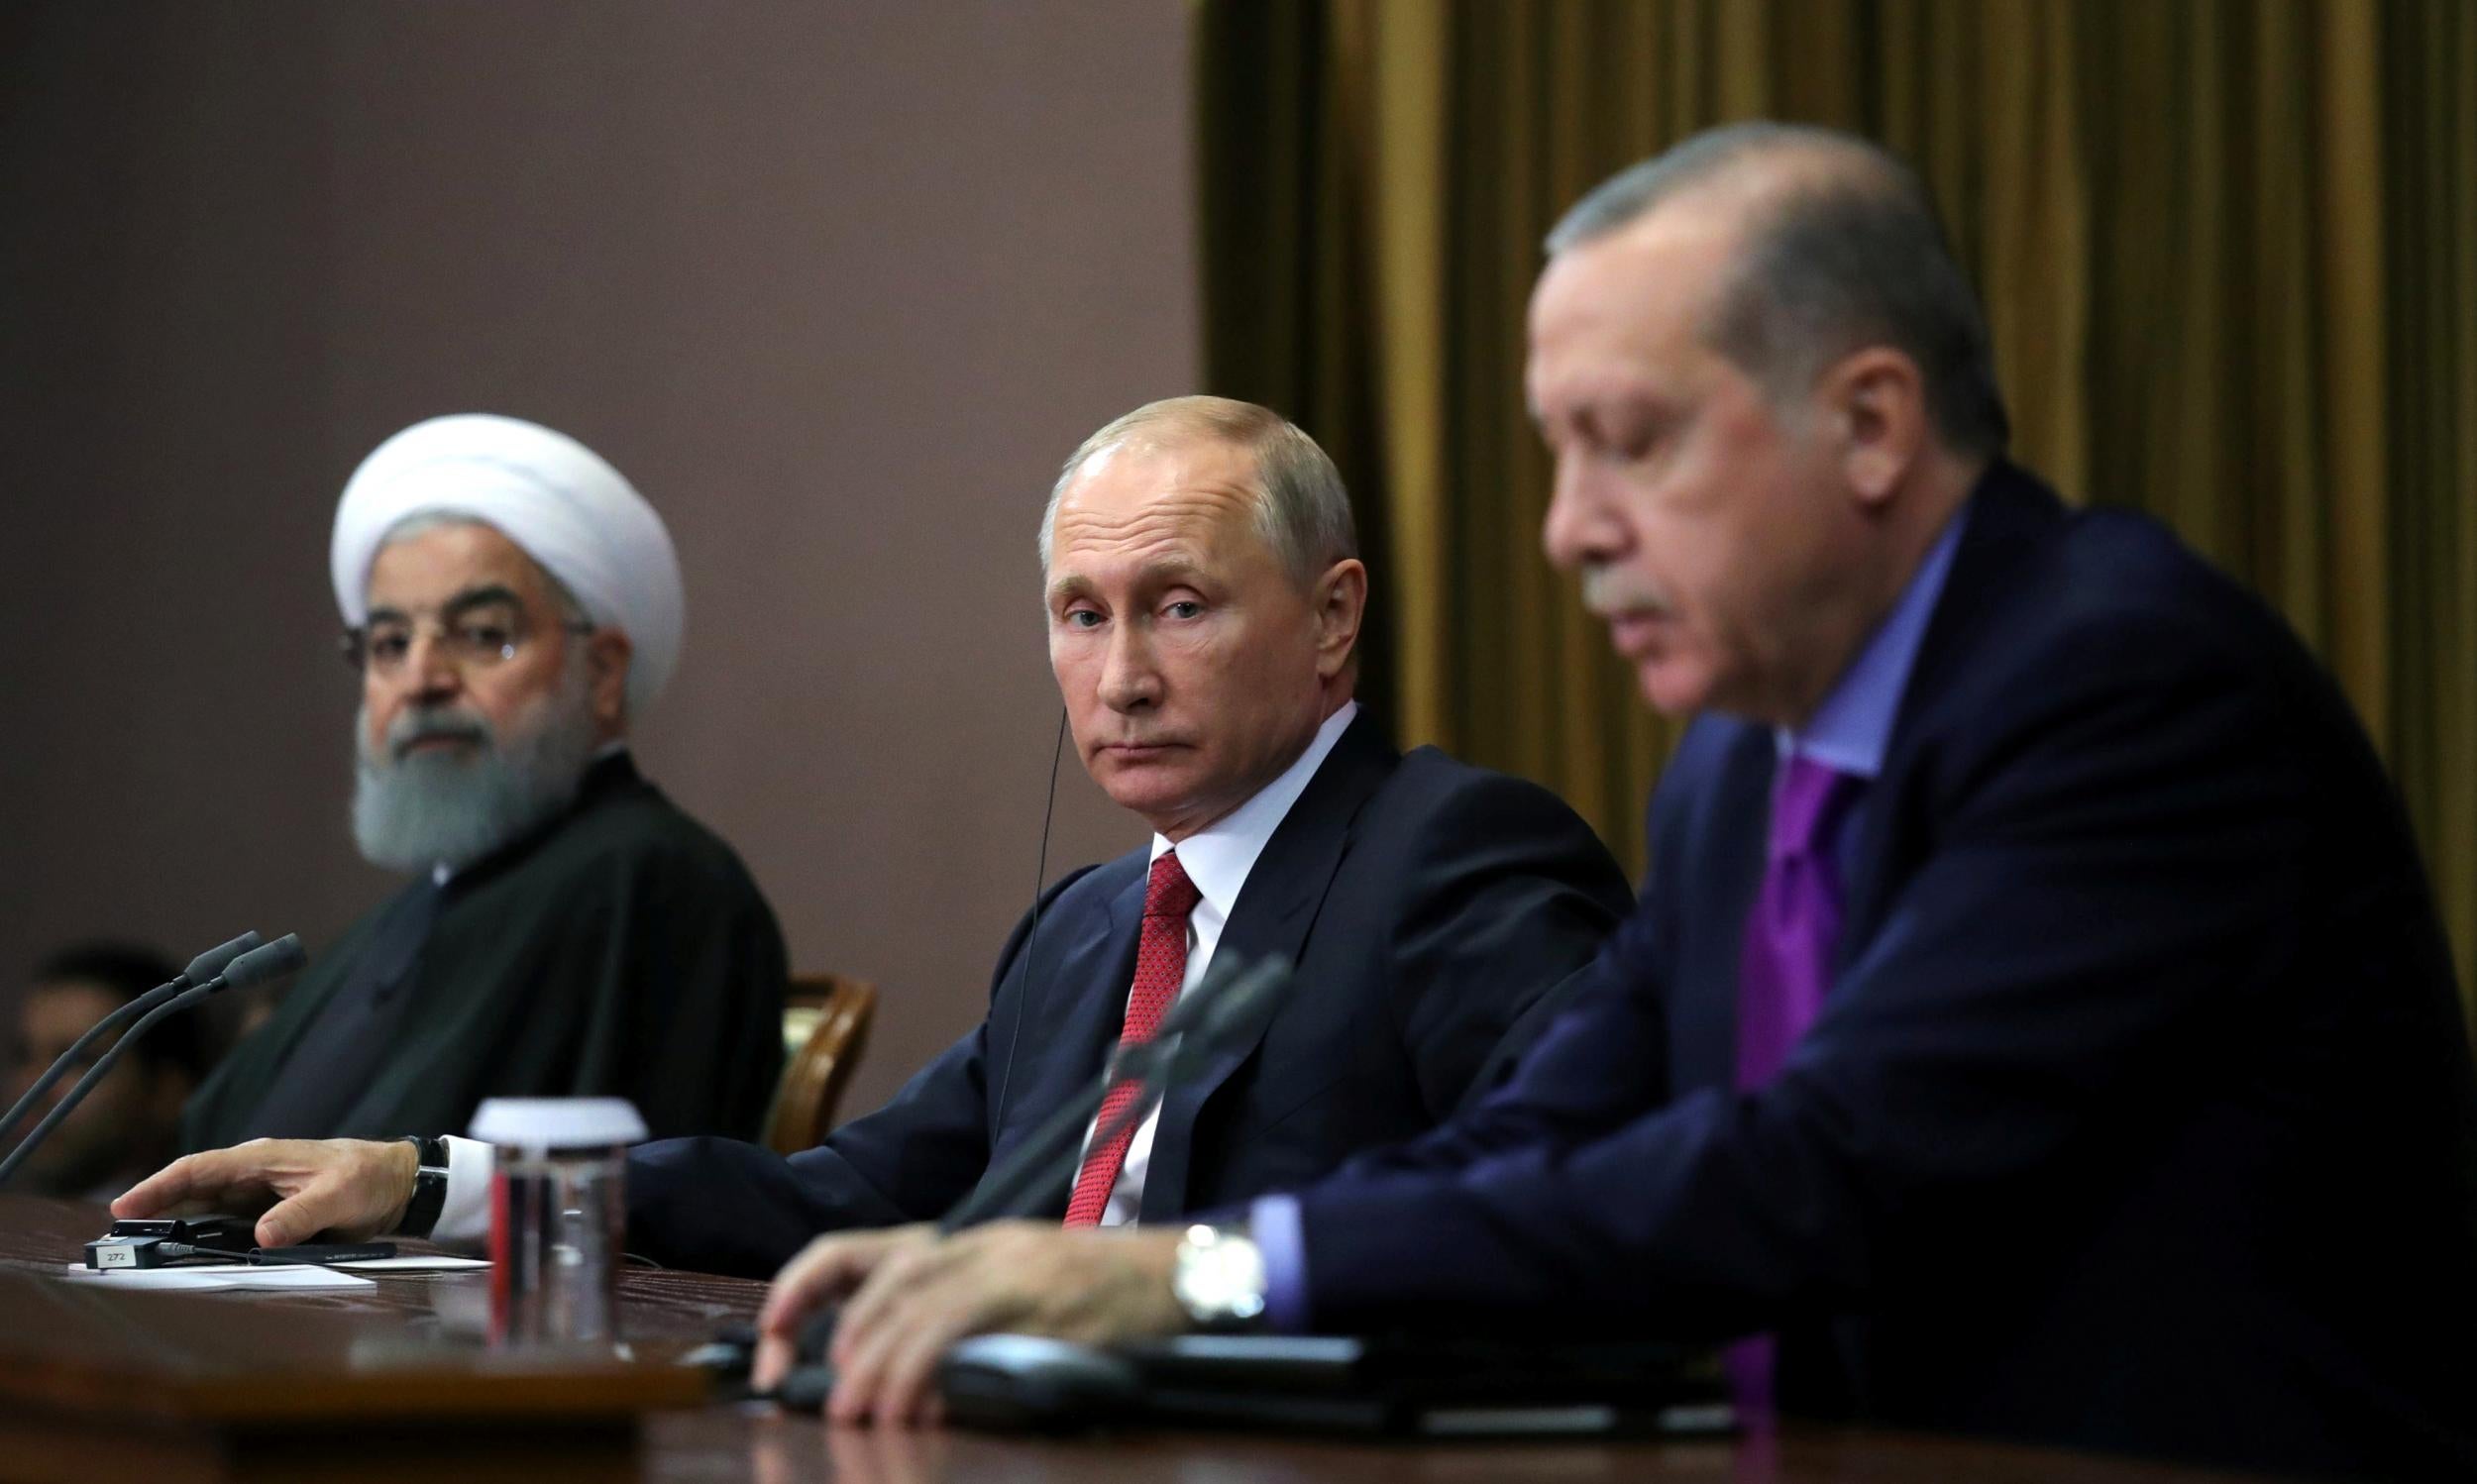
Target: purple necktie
(1785, 965)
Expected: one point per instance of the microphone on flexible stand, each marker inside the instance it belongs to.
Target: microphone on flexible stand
(201, 969)
(1228, 1002)
(257, 966)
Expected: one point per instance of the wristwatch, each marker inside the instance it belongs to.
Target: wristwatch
(1218, 1277)
(421, 1213)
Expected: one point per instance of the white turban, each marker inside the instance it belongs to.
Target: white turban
(550, 494)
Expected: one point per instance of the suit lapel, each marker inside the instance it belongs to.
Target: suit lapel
(1071, 1007)
(1276, 908)
(2007, 517)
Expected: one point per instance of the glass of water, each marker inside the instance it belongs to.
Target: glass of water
(557, 1216)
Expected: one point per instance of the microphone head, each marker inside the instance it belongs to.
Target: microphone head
(261, 964)
(213, 960)
(1251, 997)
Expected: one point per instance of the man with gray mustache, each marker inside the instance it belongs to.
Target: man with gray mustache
(512, 604)
(439, 783)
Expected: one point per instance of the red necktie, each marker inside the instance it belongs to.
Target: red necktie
(1160, 968)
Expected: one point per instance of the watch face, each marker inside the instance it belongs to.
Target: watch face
(1219, 1278)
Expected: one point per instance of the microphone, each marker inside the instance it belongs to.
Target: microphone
(1234, 1015)
(255, 966)
(1224, 1005)
(1198, 1025)
(201, 969)
(1182, 1044)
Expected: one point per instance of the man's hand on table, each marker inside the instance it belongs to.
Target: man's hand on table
(910, 1293)
(351, 1188)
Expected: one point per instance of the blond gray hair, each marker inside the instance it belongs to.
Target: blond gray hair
(1302, 510)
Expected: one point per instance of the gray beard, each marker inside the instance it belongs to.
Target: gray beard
(432, 808)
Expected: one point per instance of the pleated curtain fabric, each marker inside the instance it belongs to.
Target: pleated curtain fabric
(2229, 249)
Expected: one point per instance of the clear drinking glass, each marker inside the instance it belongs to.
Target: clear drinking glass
(557, 1216)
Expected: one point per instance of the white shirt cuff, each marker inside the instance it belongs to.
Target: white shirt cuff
(466, 1216)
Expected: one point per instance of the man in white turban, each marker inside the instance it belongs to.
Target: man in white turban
(511, 605)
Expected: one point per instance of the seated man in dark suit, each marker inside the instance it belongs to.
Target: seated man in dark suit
(2036, 1022)
(1204, 601)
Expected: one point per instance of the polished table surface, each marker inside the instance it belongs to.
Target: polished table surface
(412, 1325)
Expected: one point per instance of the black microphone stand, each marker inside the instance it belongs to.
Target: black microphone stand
(202, 970)
(258, 964)
(1223, 1002)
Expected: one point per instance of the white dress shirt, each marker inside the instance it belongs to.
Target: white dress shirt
(1217, 858)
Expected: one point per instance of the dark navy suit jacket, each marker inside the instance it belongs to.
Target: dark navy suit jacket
(1426, 903)
(2140, 1115)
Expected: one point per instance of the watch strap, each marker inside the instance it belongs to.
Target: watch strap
(421, 1213)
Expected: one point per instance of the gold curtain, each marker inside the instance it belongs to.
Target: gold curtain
(2229, 250)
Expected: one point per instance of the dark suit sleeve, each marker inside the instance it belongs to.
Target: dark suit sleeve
(720, 1206)
(725, 1207)
(1592, 1022)
(1507, 892)
(2114, 869)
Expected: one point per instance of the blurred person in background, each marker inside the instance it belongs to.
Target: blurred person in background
(130, 1121)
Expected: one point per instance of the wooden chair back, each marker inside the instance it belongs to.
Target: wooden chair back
(825, 1028)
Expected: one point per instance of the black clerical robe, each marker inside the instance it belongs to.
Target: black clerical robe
(621, 950)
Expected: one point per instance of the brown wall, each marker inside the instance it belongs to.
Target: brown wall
(836, 283)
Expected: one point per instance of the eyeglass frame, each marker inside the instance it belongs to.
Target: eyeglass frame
(353, 645)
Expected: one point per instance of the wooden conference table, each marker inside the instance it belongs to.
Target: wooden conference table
(396, 1382)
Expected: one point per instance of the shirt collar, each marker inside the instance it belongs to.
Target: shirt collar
(1850, 731)
(1218, 857)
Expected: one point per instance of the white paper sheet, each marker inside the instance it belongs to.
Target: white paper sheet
(216, 1276)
